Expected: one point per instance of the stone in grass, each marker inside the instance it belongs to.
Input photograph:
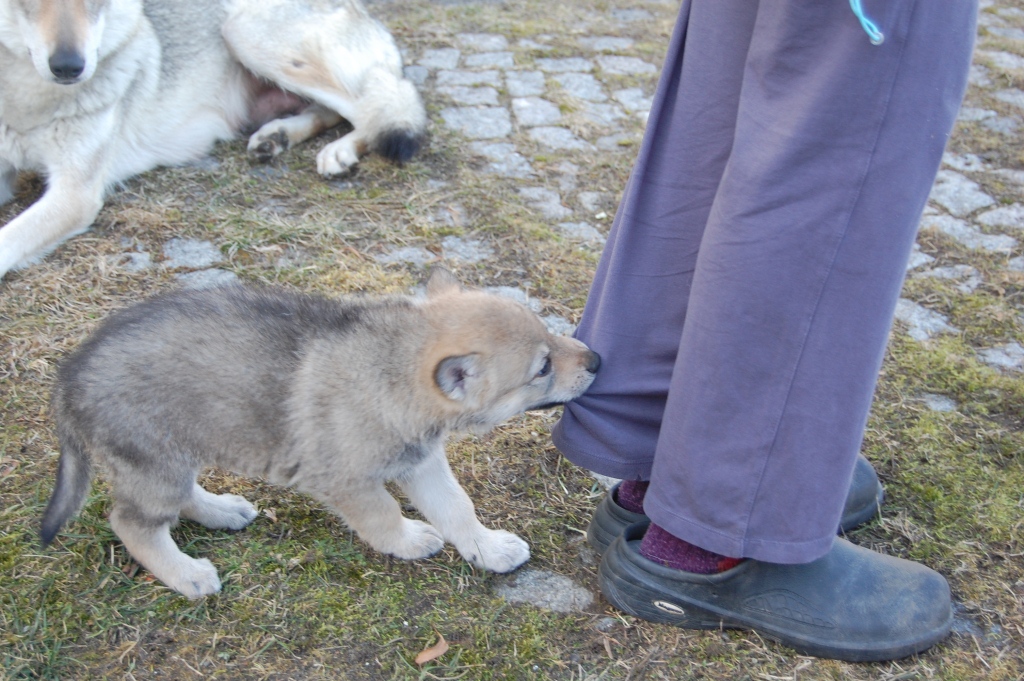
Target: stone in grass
(466, 250)
(417, 74)
(581, 86)
(533, 111)
(412, 255)
(545, 590)
(504, 159)
(482, 42)
(492, 78)
(957, 194)
(559, 326)
(633, 99)
(546, 201)
(922, 323)
(470, 96)
(479, 122)
(581, 231)
(625, 66)
(1011, 97)
(524, 83)
(618, 142)
(606, 43)
(190, 253)
(558, 138)
(211, 278)
(630, 15)
(594, 202)
(918, 258)
(602, 114)
(490, 60)
(517, 294)
(443, 58)
(939, 403)
(1002, 60)
(969, 277)
(563, 65)
(1007, 32)
(1006, 216)
(964, 162)
(1009, 356)
(134, 261)
(979, 76)
(969, 235)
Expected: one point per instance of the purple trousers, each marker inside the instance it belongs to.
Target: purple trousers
(744, 299)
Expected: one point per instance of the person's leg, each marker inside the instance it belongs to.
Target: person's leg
(637, 304)
(836, 147)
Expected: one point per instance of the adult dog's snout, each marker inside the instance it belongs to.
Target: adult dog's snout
(67, 64)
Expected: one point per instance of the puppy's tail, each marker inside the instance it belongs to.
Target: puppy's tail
(393, 115)
(74, 475)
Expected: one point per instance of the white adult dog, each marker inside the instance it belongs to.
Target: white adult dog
(93, 92)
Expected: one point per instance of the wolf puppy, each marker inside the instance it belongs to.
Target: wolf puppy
(93, 92)
(332, 397)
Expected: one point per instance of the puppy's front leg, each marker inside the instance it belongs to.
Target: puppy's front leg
(70, 204)
(433, 489)
(377, 518)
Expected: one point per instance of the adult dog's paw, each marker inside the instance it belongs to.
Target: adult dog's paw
(497, 551)
(266, 145)
(337, 158)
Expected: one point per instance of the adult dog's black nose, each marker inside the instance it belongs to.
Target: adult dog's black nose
(593, 362)
(67, 64)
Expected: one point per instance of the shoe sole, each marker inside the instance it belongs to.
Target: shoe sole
(642, 588)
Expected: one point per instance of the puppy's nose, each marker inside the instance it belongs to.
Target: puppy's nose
(593, 362)
(67, 64)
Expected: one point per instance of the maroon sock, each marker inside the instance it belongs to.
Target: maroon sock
(630, 495)
(666, 549)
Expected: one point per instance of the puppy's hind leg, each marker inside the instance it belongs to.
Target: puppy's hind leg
(433, 489)
(218, 511)
(148, 539)
(281, 134)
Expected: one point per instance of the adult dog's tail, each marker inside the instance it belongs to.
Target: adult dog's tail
(74, 475)
(392, 112)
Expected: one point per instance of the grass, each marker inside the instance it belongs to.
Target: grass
(305, 599)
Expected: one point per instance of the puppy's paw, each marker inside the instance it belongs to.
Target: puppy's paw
(265, 145)
(419, 540)
(236, 512)
(337, 158)
(194, 578)
(220, 511)
(497, 551)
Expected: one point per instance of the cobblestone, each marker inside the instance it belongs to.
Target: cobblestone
(479, 122)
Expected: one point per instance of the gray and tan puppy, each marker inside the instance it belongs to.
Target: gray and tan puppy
(331, 397)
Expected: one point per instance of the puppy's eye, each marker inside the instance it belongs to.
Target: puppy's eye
(546, 369)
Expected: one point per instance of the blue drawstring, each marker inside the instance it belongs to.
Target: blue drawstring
(874, 35)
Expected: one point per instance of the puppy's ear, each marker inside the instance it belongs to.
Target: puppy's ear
(458, 376)
(442, 281)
